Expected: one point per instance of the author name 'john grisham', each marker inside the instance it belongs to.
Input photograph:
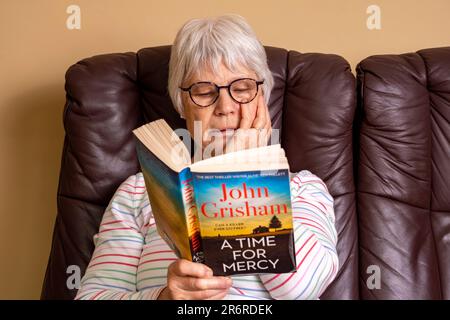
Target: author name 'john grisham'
(211, 210)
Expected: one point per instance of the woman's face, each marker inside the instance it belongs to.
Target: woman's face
(225, 113)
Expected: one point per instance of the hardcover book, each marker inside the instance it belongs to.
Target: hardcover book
(231, 212)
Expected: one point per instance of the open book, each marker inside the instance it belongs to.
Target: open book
(231, 212)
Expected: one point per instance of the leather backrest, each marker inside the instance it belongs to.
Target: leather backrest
(312, 102)
(404, 174)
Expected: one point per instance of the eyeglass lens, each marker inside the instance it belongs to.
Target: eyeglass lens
(242, 91)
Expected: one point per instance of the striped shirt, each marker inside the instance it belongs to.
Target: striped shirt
(130, 259)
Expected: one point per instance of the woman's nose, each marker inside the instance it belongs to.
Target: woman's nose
(225, 104)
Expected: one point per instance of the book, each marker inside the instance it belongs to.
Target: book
(231, 212)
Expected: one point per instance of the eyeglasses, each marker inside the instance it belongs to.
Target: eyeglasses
(204, 93)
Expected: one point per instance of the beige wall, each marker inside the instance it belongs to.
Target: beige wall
(36, 48)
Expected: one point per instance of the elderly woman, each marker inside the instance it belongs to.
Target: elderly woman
(131, 260)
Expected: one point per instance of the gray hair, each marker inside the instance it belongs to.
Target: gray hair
(205, 43)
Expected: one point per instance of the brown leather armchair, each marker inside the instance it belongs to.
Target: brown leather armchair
(313, 103)
(403, 180)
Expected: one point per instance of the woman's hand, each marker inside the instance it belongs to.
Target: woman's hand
(255, 127)
(260, 120)
(188, 280)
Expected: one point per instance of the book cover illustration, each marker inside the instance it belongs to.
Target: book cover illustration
(173, 207)
(246, 221)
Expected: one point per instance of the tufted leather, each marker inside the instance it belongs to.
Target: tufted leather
(403, 184)
(312, 102)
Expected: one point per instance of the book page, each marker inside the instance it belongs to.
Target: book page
(268, 157)
(163, 142)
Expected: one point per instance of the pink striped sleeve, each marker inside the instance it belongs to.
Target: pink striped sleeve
(111, 273)
(315, 242)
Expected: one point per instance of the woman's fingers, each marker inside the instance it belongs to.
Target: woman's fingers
(177, 293)
(247, 116)
(260, 120)
(191, 280)
(269, 121)
(267, 128)
(207, 295)
(198, 288)
(183, 267)
(255, 127)
(201, 284)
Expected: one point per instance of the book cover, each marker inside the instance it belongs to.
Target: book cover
(231, 212)
(173, 207)
(246, 221)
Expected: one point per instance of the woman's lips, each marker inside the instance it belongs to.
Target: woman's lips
(225, 132)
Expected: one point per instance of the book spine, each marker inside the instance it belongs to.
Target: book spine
(192, 221)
